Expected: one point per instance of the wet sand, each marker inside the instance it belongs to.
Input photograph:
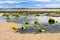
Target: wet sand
(7, 34)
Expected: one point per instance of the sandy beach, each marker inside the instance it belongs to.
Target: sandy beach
(7, 34)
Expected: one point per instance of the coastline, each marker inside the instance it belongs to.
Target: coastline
(7, 34)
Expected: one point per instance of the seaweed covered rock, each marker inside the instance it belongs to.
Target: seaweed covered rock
(42, 30)
(56, 21)
(23, 27)
(7, 15)
(37, 15)
(45, 24)
(36, 23)
(9, 20)
(51, 21)
(26, 22)
(14, 28)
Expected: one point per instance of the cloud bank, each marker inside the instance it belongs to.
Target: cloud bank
(30, 3)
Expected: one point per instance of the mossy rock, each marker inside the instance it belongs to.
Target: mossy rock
(37, 15)
(42, 30)
(51, 21)
(23, 27)
(56, 21)
(5, 15)
(14, 28)
(17, 15)
(27, 22)
(8, 18)
(36, 23)
(45, 24)
(9, 21)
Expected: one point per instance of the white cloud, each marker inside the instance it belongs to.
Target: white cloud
(38, 5)
(4, 7)
(8, 2)
(19, 1)
(52, 5)
(12, 1)
(42, 0)
(10, 6)
(18, 6)
(56, 0)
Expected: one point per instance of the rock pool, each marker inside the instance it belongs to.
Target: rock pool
(32, 18)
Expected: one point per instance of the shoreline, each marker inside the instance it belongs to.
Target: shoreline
(8, 34)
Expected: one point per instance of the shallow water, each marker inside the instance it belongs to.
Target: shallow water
(41, 19)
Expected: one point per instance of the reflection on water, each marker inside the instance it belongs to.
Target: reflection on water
(2, 19)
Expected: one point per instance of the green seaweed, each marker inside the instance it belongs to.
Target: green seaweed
(51, 21)
(45, 24)
(36, 23)
(14, 28)
(42, 30)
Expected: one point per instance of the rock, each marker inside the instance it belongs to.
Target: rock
(36, 23)
(51, 21)
(42, 30)
(14, 28)
(27, 22)
(45, 24)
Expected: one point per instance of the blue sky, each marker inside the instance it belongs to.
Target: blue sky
(29, 3)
